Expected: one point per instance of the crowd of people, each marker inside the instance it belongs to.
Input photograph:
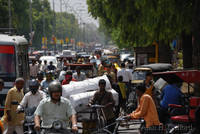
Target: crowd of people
(45, 94)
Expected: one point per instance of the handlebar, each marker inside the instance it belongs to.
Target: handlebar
(97, 106)
(122, 118)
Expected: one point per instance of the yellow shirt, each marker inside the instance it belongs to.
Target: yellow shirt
(123, 89)
(13, 96)
(147, 110)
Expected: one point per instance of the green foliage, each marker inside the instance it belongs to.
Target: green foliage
(140, 22)
(43, 22)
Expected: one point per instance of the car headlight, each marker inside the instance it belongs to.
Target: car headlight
(57, 125)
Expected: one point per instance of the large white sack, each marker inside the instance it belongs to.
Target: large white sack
(84, 86)
(81, 100)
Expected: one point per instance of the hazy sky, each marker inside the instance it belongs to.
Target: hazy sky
(79, 7)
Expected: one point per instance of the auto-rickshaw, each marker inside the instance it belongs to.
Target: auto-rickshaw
(184, 122)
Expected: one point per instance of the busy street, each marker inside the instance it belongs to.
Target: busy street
(99, 67)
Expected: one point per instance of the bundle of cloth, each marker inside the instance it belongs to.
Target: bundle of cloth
(79, 93)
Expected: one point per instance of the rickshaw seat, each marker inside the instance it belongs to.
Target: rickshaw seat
(194, 103)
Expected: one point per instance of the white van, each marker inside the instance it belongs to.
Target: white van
(48, 59)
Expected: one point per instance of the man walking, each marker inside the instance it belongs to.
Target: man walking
(14, 121)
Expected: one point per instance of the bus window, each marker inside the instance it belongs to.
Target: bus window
(7, 61)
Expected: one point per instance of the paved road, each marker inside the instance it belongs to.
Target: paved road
(133, 128)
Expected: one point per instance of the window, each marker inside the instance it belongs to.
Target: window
(7, 61)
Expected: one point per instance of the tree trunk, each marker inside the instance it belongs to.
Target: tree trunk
(187, 51)
(196, 40)
(165, 52)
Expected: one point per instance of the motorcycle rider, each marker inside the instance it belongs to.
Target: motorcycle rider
(45, 83)
(54, 108)
(33, 97)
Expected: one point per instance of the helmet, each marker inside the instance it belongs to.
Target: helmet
(54, 86)
(33, 85)
(40, 73)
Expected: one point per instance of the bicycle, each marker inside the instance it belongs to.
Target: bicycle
(101, 119)
(117, 122)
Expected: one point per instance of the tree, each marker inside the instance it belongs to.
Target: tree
(40, 13)
(19, 15)
(140, 22)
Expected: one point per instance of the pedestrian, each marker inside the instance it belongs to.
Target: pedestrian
(149, 83)
(34, 69)
(45, 83)
(68, 78)
(44, 66)
(12, 120)
(103, 97)
(127, 76)
(147, 110)
(62, 74)
(51, 67)
(59, 65)
(39, 64)
(111, 73)
(78, 75)
(101, 68)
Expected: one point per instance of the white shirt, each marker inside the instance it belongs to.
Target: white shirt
(43, 67)
(34, 70)
(80, 77)
(31, 100)
(50, 111)
(127, 76)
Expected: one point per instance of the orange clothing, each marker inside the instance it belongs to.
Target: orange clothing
(147, 110)
(1, 126)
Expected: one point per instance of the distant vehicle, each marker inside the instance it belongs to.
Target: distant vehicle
(124, 56)
(13, 62)
(68, 53)
(48, 59)
(139, 73)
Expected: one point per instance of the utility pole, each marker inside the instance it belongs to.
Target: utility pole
(54, 27)
(43, 19)
(43, 29)
(61, 23)
(30, 14)
(10, 17)
(30, 23)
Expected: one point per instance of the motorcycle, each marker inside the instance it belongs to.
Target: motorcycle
(29, 121)
(56, 128)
